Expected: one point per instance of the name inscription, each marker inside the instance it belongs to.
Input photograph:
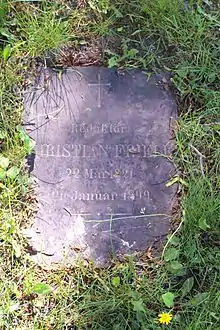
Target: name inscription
(93, 151)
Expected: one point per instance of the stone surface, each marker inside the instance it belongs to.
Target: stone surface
(101, 163)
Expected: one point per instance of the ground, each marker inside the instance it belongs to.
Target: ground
(181, 37)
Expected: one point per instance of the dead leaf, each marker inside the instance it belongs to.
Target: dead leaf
(149, 253)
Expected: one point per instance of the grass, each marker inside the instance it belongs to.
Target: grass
(53, 32)
(182, 38)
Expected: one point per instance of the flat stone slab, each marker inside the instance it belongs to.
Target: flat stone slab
(101, 163)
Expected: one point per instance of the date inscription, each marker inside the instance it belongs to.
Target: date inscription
(130, 195)
(91, 173)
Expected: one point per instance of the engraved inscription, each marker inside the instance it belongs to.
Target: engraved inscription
(86, 196)
(75, 195)
(134, 194)
(99, 85)
(94, 151)
(91, 173)
(97, 128)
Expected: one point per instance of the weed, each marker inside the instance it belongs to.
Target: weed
(7, 23)
(101, 7)
(41, 31)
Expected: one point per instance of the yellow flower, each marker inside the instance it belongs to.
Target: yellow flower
(165, 318)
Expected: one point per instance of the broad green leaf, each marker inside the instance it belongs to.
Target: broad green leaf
(203, 224)
(175, 267)
(5, 32)
(2, 12)
(6, 52)
(187, 286)
(42, 288)
(13, 172)
(199, 298)
(174, 240)
(4, 162)
(112, 62)
(120, 29)
(2, 173)
(168, 299)
(132, 53)
(22, 133)
(116, 281)
(28, 142)
(171, 254)
(29, 145)
(138, 305)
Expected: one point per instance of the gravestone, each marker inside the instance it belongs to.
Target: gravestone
(101, 163)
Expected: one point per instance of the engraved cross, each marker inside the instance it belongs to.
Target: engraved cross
(99, 89)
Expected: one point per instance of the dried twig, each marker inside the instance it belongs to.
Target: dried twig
(173, 234)
(201, 156)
